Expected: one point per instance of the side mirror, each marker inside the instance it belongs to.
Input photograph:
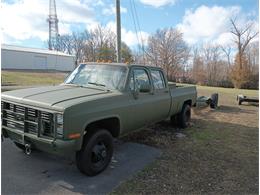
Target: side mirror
(145, 88)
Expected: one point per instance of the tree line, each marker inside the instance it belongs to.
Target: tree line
(98, 44)
(209, 64)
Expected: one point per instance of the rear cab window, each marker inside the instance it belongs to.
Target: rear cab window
(158, 79)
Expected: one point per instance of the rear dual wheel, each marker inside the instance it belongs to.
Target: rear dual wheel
(183, 118)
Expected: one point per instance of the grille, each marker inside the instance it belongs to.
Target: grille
(13, 116)
(32, 114)
(47, 123)
(27, 119)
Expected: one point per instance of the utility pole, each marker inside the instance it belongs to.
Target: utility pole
(118, 31)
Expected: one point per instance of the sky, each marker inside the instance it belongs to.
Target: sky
(24, 22)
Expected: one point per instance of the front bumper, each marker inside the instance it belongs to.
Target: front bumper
(54, 146)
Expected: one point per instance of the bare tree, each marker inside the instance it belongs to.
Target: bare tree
(78, 46)
(243, 36)
(65, 44)
(72, 44)
(198, 67)
(211, 55)
(167, 49)
(209, 68)
(252, 53)
(227, 51)
(101, 45)
(97, 44)
(152, 51)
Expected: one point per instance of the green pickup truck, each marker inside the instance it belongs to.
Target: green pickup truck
(96, 103)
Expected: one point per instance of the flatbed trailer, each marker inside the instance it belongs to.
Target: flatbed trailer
(242, 98)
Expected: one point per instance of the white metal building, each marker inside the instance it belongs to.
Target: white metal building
(23, 58)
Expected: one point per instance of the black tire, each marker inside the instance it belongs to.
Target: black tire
(214, 101)
(174, 120)
(96, 152)
(20, 146)
(184, 116)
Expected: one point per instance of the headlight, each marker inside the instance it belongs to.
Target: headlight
(59, 129)
(59, 119)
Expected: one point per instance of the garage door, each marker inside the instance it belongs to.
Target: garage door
(40, 62)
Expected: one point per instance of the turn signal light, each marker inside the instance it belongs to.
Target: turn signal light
(74, 135)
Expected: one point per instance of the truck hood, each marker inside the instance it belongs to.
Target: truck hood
(48, 97)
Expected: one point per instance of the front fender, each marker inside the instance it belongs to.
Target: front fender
(88, 123)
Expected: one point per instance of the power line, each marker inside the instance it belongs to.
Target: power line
(138, 24)
(139, 28)
(135, 26)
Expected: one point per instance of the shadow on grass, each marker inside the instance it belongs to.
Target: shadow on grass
(250, 104)
(233, 109)
(215, 157)
(223, 111)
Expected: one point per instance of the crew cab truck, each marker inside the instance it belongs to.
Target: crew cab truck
(96, 103)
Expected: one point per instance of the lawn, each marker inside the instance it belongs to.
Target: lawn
(22, 78)
(219, 154)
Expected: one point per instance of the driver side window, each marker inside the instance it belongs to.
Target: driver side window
(141, 77)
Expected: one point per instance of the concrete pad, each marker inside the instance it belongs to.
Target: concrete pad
(41, 173)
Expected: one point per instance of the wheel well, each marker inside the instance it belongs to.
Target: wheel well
(110, 124)
(189, 102)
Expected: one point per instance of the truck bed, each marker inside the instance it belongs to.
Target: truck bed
(180, 94)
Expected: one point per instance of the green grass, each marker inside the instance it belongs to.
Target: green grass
(219, 154)
(231, 91)
(31, 78)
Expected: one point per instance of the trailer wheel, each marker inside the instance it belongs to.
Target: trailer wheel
(214, 101)
(96, 152)
(185, 116)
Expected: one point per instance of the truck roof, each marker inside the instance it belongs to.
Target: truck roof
(121, 64)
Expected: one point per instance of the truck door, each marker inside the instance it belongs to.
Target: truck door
(141, 106)
(148, 107)
(161, 94)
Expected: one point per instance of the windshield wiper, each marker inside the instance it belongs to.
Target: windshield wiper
(73, 84)
(97, 84)
(92, 83)
(70, 84)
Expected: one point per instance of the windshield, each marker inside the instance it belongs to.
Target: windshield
(108, 76)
